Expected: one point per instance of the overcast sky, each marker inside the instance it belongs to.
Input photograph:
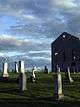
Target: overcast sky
(27, 27)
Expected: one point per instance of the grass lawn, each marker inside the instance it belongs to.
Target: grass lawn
(40, 93)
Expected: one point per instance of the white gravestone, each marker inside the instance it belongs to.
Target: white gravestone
(69, 76)
(16, 67)
(33, 77)
(58, 94)
(21, 67)
(5, 69)
(22, 76)
(33, 70)
(22, 81)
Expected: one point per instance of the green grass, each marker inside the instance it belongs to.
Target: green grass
(40, 93)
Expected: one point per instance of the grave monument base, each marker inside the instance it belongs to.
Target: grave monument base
(5, 75)
(58, 97)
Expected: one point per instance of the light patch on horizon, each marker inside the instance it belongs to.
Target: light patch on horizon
(10, 54)
(40, 52)
(41, 58)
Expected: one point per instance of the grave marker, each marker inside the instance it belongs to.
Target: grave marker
(16, 67)
(22, 76)
(58, 94)
(21, 67)
(33, 77)
(68, 76)
(5, 70)
(22, 81)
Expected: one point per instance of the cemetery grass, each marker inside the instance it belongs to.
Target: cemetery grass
(39, 93)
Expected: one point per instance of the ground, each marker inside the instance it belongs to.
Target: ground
(40, 93)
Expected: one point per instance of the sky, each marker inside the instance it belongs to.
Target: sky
(28, 27)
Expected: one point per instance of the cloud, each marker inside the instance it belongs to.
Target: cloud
(10, 54)
(30, 17)
(23, 44)
(38, 16)
(66, 4)
(12, 40)
(34, 52)
(41, 59)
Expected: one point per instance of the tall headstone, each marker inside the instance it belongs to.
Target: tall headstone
(68, 77)
(21, 67)
(58, 93)
(22, 76)
(16, 67)
(22, 81)
(5, 70)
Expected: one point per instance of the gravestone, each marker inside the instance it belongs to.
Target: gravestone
(16, 67)
(5, 70)
(46, 70)
(22, 81)
(21, 67)
(22, 76)
(34, 68)
(58, 94)
(33, 77)
(33, 74)
(68, 76)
